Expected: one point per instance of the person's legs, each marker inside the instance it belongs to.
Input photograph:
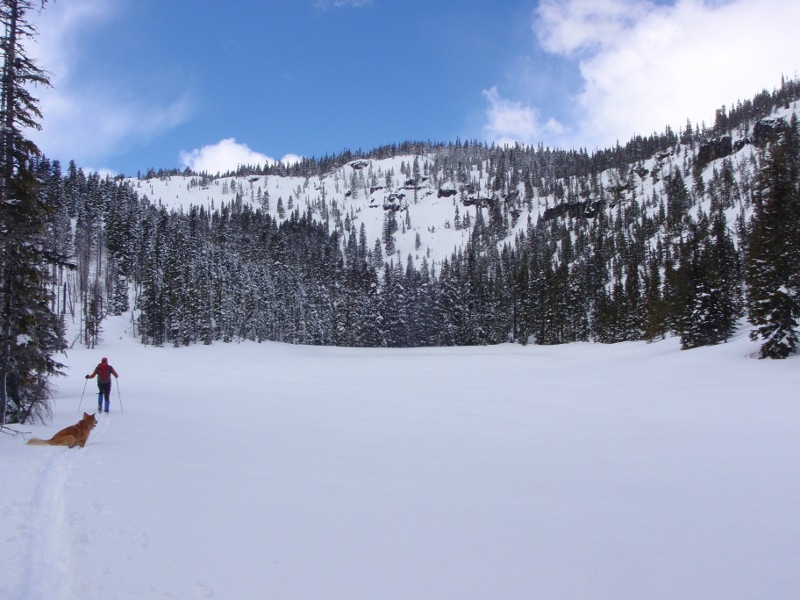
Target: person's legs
(105, 393)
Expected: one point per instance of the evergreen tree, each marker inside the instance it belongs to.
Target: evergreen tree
(30, 333)
(678, 202)
(773, 265)
(377, 254)
(716, 300)
(394, 315)
(654, 319)
(389, 229)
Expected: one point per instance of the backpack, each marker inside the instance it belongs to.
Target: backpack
(104, 372)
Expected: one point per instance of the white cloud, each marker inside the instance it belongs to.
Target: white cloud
(95, 122)
(564, 27)
(326, 4)
(511, 121)
(291, 159)
(60, 26)
(228, 155)
(86, 119)
(645, 65)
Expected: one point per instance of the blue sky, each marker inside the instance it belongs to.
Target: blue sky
(174, 83)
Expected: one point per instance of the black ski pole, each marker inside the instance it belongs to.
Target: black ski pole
(119, 396)
(82, 393)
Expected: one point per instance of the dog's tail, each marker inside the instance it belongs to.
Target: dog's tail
(37, 442)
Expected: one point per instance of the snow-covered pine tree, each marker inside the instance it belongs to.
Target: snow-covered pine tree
(773, 264)
(30, 333)
(712, 302)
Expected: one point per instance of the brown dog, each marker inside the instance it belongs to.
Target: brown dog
(74, 435)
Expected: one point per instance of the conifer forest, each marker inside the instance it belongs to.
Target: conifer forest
(562, 246)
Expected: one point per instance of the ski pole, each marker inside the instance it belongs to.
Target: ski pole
(82, 393)
(119, 396)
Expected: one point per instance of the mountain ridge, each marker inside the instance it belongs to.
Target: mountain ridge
(456, 244)
(422, 194)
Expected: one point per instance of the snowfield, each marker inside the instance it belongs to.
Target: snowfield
(272, 471)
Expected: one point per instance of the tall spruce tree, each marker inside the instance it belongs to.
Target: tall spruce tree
(712, 291)
(773, 265)
(30, 333)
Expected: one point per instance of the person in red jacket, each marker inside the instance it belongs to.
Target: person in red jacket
(103, 371)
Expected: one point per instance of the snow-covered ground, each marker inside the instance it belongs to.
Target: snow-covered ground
(272, 471)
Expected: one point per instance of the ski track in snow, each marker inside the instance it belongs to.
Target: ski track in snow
(50, 570)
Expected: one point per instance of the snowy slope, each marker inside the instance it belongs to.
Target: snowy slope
(270, 471)
(361, 191)
(429, 214)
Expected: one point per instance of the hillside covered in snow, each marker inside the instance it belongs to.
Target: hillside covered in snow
(423, 244)
(438, 194)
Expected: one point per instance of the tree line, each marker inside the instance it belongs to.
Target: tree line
(639, 268)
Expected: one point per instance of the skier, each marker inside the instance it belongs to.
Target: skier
(104, 371)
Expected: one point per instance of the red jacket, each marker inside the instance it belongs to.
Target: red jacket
(104, 371)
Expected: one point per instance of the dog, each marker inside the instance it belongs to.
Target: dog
(74, 435)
